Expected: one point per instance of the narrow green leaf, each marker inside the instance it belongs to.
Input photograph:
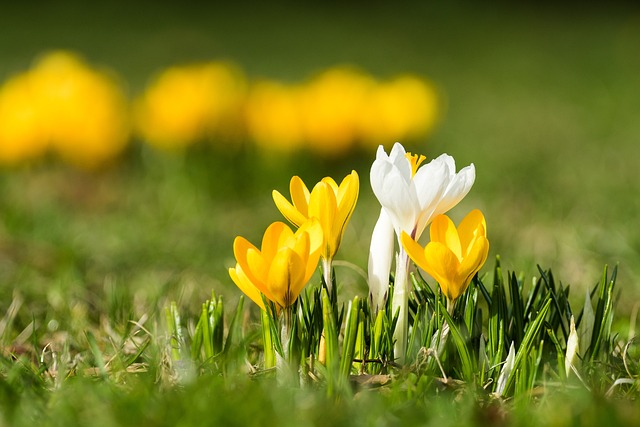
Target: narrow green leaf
(468, 368)
(528, 341)
(207, 336)
(332, 361)
(235, 327)
(517, 310)
(267, 340)
(350, 335)
(97, 354)
(217, 333)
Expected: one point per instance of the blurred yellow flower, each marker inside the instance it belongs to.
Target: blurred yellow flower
(402, 109)
(331, 204)
(187, 104)
(22, 133)
(283, 265)
(62, 103)
(84, 110)
(272, 113)
(453, 256)
(331, 109)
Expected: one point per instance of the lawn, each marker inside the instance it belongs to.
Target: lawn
(541, 98)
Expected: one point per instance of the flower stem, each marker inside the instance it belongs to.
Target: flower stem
(327, 274)
(400, 304)
(283, 361)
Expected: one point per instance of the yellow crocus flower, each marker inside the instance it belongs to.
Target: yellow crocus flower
(64, 104)
(186, 104)
(281, 267)
(331, 204)
(453, 256)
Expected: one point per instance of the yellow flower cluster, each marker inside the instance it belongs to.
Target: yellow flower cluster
(339, 110)
(287, 259)
(187, 104)
(62, 105)
(65, 106)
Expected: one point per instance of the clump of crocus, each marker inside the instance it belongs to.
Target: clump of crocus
(191, 103)
(453, 255)
(272, 115)
(282, 266)
(331, 204)
(411, 196)
(404, 108)
(331, 107)
(64, 105)
(278, 271)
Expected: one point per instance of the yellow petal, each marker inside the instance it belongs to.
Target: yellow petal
(299, 196)
(257, 269)
(316, 243)
(332, 183)
(311, 264)
(300, 244)
(468, 229)
(347, 193)
(271, 240)
(414, 250)
(323, 206)
(473, 262)
(443, 266)
(347, 198)
(316, 236)
(249, 258)
(288, 210)
(444, 231)
(285, 276)
(245, 285)
(305, 265)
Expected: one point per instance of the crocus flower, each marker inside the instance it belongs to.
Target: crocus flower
(413, 195)
(331, 204)
(65, 105)
(453, 256)
(410, 195)
(283, 265)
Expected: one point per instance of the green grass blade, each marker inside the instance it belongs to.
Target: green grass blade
(468, 367)
(527, 344)
(350, 335)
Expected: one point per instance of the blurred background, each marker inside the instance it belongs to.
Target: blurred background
(137, 139)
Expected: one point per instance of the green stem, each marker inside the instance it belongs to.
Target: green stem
(327, 273)
(269, 351)
(284, 364)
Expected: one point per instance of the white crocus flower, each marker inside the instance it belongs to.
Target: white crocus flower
(411, 196)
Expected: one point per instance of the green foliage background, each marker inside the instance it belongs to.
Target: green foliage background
(542, 98)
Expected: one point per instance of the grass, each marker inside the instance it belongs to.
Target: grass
(541, 99)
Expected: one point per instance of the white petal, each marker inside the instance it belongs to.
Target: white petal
(431, 181)
(380, 256)
(381, 154)
(457, 189)
(570, 358)
(398, 157)
(448, 160)
(397, 151)
(506, 370)
(395, 194)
